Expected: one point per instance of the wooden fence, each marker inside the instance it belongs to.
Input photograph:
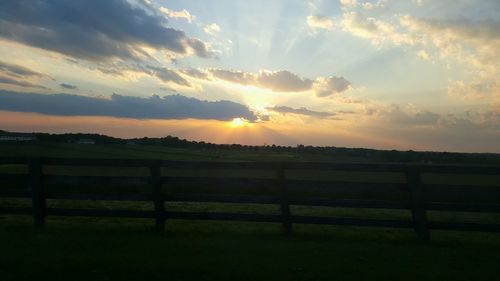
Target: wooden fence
(410, 194)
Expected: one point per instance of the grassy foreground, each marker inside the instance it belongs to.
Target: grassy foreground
(123, 249)
(116, 249)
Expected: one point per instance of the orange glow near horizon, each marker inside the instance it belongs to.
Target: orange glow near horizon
(239, 130)
(287, 130)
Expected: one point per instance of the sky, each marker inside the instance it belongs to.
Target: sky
(384, 74)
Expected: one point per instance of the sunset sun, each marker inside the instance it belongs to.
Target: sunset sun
(239, 122)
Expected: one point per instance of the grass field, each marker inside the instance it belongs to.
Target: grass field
(127, 249)
(150, 152)
(104, 249)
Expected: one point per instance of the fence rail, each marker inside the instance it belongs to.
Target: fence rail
(412, 194)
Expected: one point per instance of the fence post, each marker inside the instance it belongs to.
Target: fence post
(284, 204)
(158, 199)
(419, 212)
(37, 192)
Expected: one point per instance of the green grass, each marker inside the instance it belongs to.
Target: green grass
(65, 150)
(106, 249)
(127, 249)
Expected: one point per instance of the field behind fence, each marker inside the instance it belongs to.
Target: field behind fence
(417, 188)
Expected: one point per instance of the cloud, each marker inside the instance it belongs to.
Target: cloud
(320, 22)
(425, 118)
(196, 73)
(473, 120)
(167, 75)
(19, 71)
(471, 43)
(93, 30)
(212, 28)
(349, 3)
(19, 83)
(329, 86)
(301, 111)
(184, 14)
(422, 129)
(278, 81)
(395, 115)
(371, 6)
(376, 30)
(282, 81)
(20, 76)
(68, 86)
(155, 107)
(239, 77)
(474, 44)
(164, 74)
(477, 33)
(423, 55)
(418, 2)
(473, 90)
(199, 48)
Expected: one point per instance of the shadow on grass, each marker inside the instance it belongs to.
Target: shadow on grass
(110, 249)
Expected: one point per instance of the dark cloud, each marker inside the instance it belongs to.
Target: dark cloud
(68, 86)
(167, 75)
(301, 111)
(155, 107)
(19, 71)
(329, 86)
(116, 71)
(19, 83)
(199, 48)
(20, 76)
(121, 68)
(92, 29)
(426, 118)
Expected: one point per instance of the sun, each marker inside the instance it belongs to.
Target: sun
(239, 122)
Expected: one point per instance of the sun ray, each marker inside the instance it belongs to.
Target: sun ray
(239, 122)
